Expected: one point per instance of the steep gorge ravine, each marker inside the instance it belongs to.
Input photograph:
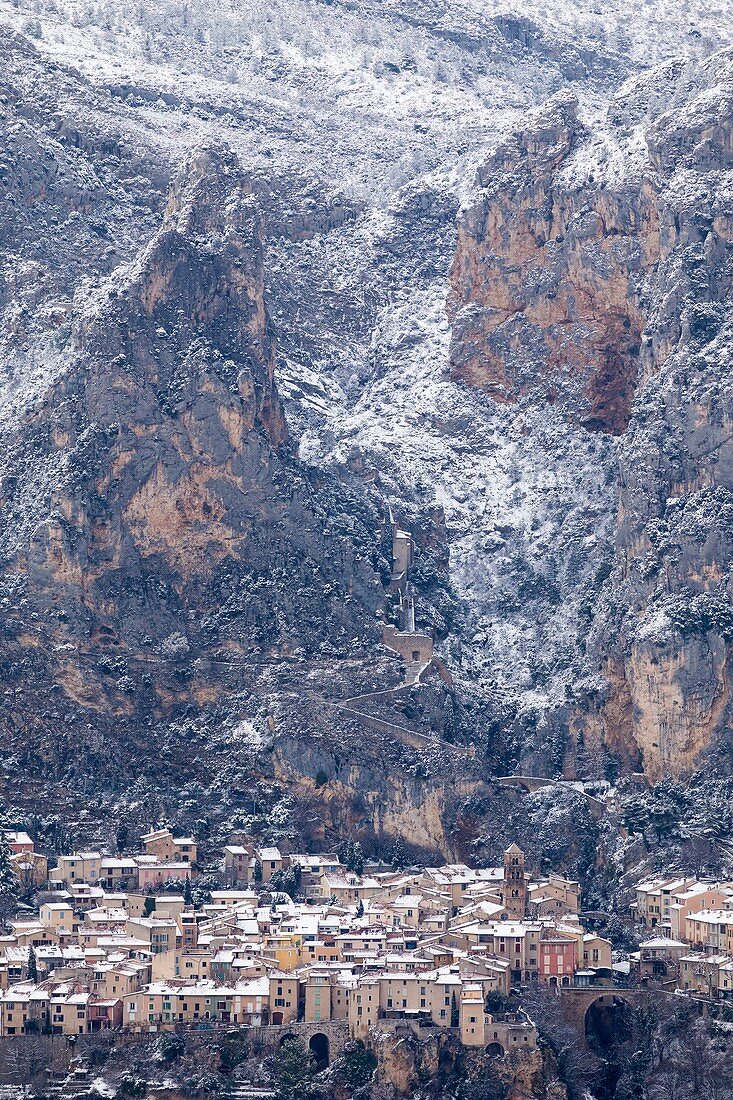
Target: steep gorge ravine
(184, 586)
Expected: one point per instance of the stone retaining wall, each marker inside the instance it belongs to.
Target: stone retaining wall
(24, 1057)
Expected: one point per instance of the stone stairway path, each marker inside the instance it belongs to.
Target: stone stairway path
(76, 1084)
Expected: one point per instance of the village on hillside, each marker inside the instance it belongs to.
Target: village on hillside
(116, 942)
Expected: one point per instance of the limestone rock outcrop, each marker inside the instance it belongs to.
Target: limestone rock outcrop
(548, 276)
(593, 271)
(159, 535)
(153, 477)
(189, 585)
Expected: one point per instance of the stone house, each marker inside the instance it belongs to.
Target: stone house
(497, 1034)
(553, 897)
(270, 860)
(31, 868)
(284, 997)
(169, 849)
(77, 867)
(239, 863)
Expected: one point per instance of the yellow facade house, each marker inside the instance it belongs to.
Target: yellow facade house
(285, 949)
(193, 965)
(14, 1010)
(78, 867)
(472, 1016)
(57, 916)
(318, 996)
(69, 1013)
(284, 997)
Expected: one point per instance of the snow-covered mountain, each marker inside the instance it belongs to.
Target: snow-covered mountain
(535, 403)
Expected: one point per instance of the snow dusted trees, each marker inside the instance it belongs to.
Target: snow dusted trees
(351, 855)
(9, 884)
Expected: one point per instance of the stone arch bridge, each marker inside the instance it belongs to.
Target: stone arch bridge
(325, 1039)
(577, 1001)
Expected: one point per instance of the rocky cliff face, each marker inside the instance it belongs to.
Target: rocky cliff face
(152, 479)
(179, 590)
(192, 517)
(160, 542)
(405, 1062)
(549, 273)
(594, 272)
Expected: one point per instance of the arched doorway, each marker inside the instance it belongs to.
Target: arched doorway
(607, 1023)
(495, 1050)
(277, 1019)
(319, 1048)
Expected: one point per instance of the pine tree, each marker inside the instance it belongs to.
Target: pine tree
(32, 965)
(294, 1070)
(187, 892)
(8, 880)
(343, 852)
(9, 884)
(122, 836)
(351, 855)
(399, 856)
(357, 858)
